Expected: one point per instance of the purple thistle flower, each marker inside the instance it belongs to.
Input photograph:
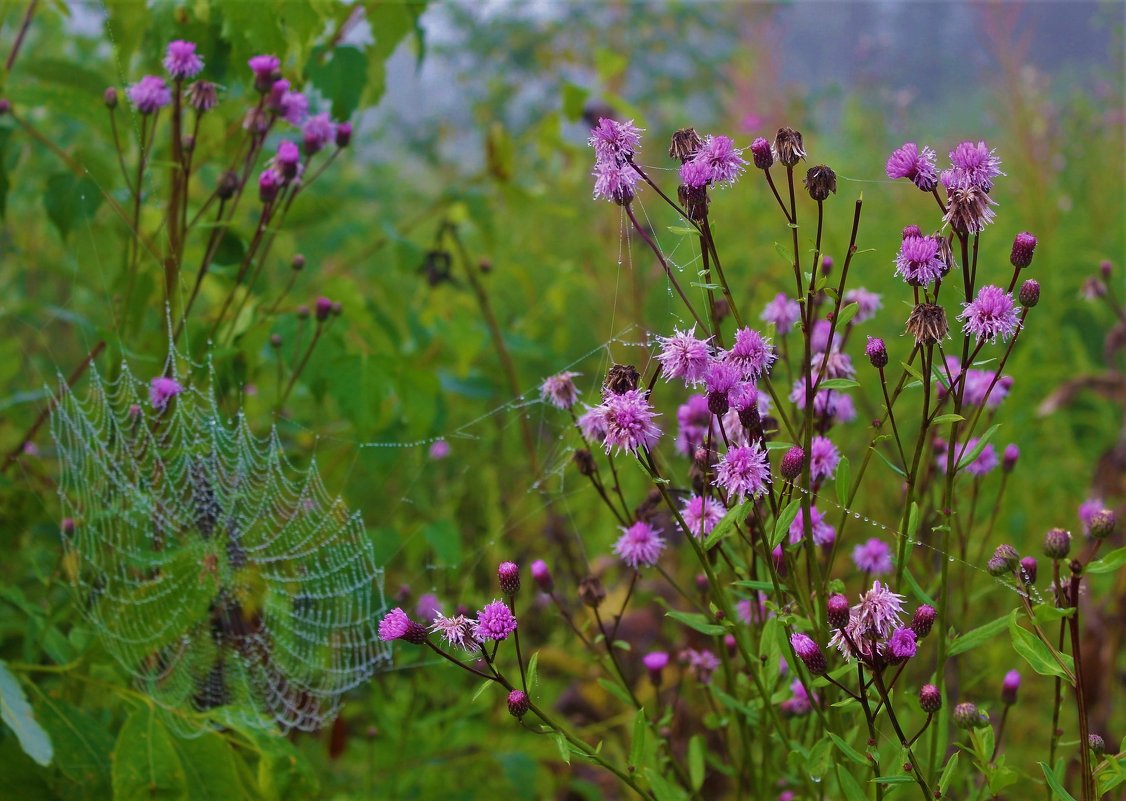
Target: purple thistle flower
(877, 352)
(684, 356)
(917, 166)
(837, 611)
(723, 159)
(919, 262)
(867, 304)
(819, 338)
(901, 644)
(799, 703)
(1009, 457)
(823, 458)
(1087, 511)
(629, 422)
(203, 96)
(592, 424)
(1009, 686)
(428, 606)
(439, 450)
(149, 95)
(541, 574)
(614, 181)
(1024, 245)
(693, 418)
(294, 108)
(344, 134)
(397, 626)
(264, 68)
(696, 174)
(702, 664)
(826, 402)
(923, 620)
(269, 183)
(823, 534)
(702, 515)
(559, 390)
(162, 390)
(720, 378)
(930, 698)
(873, 557)
(870, 623)
(614, 141)
(808, 652)
(751, 354)
(743, 471)
(640, 545)
(792, 463)
(835, 363)
(456, 631)
(655, 662)
(494, 622)
(288, 160)
(518, 704)
(181, 60)
(782, 312)
(317, 132)
(991, 314)
(974, 165)
(508, 576)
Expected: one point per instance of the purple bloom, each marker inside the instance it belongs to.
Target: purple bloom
(873, 557)
(684, 356)
(541, 574)
(751, 354)
(149, 95)
(317, 132)
(1010, 456)
(614, 181)
(640, 545)
(264, 66)
(870, 623)
(439, 449)
(202, 96)
(901, 644)
(761, 153)
(743, 471)
(835, 363)
(456, 631)
(1024, 245)
(877, 352)
(917, 166)
(823, 534)
(695, 173)
(808, 652)
(919, 262)
(559, 390)
(826, 403)
(985, 462)
(614, 141)
(782, 312)
(991, 314)
(269, 182)
(867, 304)
(656, 660)
(294, 108)
(162, 390)
(1087, 511)
(629, 422)
(702, 664)
(181, 60)
(397, 626)
(720, 378)
(694, 418)
(428, 607)
(799, 704)
(1009, 686)
(592, 424)
(287, 160)
(494, 622)
(723, 159)
(702, 514)
(823, 458)
(974, 165)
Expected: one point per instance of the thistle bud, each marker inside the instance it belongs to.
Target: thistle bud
(302, 312)
(518, 704)
(788, 147)
(67, 526)
(275, 340)
(344, 134)
(228, 185)
(820, 182)
(109, 97)
(1009, 458)
(877, 352)
(1057, 543)
(808, 652)
(541, 574)
(1096, 743)
(323, 308)
(838, 612)
(1028, 569)
(508, 574)
(912, 230)
(967, 716)
(923, 620)
(337, 308)
(1007, 554)
(298, 263)
(591, 592)
(1102, 524)
(1029, 294)
(761, 154)
(1105, 268)
(792, 463)
(930, 699)
(1009, 686)
(655, 662)
(269, 182)
(1023, 246)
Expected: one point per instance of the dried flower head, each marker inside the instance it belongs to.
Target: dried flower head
(457, 631)
(684, 145)
(820, 181)
(968, 209)
(927, 324)
(788, 147)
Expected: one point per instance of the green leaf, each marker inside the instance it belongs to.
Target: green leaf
(616, 691)
(696, 762)
(849, 786)
(70, 200)
(968, 458)
(682, 230)
(895, 468)
(340, 73)
(1109, 563)
(231, 250)
(1037, 655)
(847, 313)
(842, 482)
(480, 689)
(642, 752)
(913, 371)
(1054, 782)
(209, 764)
(838, 383)
(775, 445)
(948, 773)
(662, 788)
(82, 745)
(533, 670)
(694, 620)
(734, 517)
(785, 520)
(444, 537)
(1048, 613)
(18, 714)
(897, 779)
(145, 765)
(848, 750)
(947, 418)
(757, 584)
(980, 635)
(564, 748)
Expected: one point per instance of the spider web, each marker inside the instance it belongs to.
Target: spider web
(225, 581)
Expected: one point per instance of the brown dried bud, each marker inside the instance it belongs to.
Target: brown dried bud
(684, 145)
(928, 324)
(584, 460)
(820, 182)
(228, 185)
(695, 201)
(591, 592)
(621, 378)
(788, 146)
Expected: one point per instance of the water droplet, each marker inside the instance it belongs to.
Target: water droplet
(950, 559)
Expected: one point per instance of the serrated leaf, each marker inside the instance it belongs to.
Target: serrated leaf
(17, 713)
(1110, 563)
(698, 622)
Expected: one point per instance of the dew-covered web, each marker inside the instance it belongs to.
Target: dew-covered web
(227, 582)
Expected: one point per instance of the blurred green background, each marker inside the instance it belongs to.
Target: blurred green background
(475, 114)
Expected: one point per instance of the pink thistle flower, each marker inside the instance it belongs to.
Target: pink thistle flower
(149, 95)
(615, 181)
(592, 424)
(439, 450)
(629, 422)
(396, 625)
(743, 471)
(751, 354)
(991, 314)
(823, 534)
(640, 545)
(867, 304)
(836, 364)
(696, 174)
(264, 66)
(613, 140)
(702, 664)
(684, 356)
(782, 312)
(1087, 511)
(494, 622)
(294, 108)
(693, 418)
(915, 165)
(559, 390)
(723, 160)
(973, 165)
(181, 60)
(317, 132)
(162, 390)
(823, 458)
(873, 557)
(871, 622)
(901, 644)
(457, 631)
(819, 339)
(919, 261)
(720, 378)
(702, 515)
